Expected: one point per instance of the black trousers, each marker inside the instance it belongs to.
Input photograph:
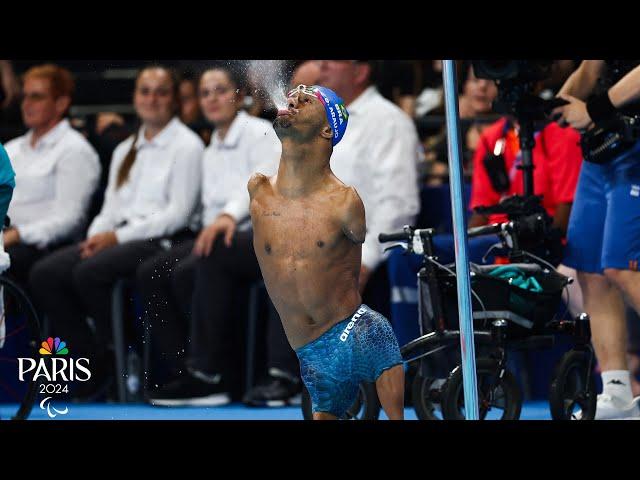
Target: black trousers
(165, 283)
(23, 257)
(188, 301)
(66, 288)
(216, 277)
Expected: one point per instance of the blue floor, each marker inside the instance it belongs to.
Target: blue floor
(102, 411)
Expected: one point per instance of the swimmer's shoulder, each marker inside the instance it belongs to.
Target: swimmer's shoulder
(352, 214)
(257, 183)
(354, 206)
(347, 196)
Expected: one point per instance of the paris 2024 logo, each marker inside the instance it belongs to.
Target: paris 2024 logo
(54, 370)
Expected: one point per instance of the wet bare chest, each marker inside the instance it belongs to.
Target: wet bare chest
(295, 229)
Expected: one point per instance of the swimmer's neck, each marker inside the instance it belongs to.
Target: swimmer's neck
(302, 169)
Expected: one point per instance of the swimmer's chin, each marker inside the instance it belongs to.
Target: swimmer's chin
(282, 122)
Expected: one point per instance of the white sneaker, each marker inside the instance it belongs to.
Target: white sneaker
(612, 408)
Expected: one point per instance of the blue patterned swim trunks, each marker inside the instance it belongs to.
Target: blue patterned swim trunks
(355, 350)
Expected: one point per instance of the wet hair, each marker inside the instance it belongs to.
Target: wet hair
(130, 157)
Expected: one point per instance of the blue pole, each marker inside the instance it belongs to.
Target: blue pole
(460, 241)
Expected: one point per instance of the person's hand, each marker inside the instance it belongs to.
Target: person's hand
(105, 119)
(11, 236)
(98, 242)
(573, 114)
(225, 225)
(365, 273)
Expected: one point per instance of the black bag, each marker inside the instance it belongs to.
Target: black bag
(497, 294)
(495, 165)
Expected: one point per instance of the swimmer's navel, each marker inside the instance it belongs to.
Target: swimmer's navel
(267, 248)
(320, 243)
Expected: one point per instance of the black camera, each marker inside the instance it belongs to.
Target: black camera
(516, 70)
(516, 81)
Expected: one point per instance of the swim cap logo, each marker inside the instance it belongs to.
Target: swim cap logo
(342, 113)
(354, 319)
(335, 121)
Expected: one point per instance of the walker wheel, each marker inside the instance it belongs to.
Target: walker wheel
(498, 390)
(425, 398)
(573, 387)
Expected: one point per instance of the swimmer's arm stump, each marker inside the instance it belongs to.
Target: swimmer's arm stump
(354, 224)
(255, 181)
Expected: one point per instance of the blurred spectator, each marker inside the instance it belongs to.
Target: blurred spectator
(151, 196)
(10, 119)
(475, 101)
(10, 86)
(430, 97)
(105, 133)
(306, 73)
(199, 278)
(189, 107)
(190, 113)
(57, 169)
(396, 81)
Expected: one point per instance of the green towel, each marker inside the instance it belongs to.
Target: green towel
(516, 276)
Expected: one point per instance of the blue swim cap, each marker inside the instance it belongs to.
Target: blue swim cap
(337, 114)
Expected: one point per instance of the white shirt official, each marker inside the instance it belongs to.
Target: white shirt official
(378, 155)
(163, 188)
(250, 145)
(55, 180)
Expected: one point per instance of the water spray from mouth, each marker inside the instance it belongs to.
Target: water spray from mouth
(269, 79)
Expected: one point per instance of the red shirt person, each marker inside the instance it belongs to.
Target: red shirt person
(557, 158)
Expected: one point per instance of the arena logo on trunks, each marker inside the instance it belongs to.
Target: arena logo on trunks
(354, 319)
(53, 370)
